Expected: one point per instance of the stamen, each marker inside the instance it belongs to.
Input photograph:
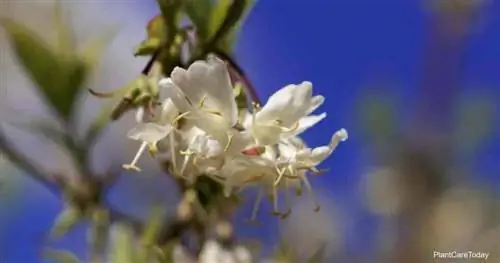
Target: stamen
(256, 205)
(178, 118)
(172, 151)
(281, 172)
(287, 201)
(274, 197)
(187, 157)
(132, 165)
(230, 140)
(202, 101)
(315, 171)
(291, 129)
(214, 112)
(310, 191)
(298, 188)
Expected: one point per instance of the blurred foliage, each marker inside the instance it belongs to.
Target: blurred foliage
(474, 121)
(60, 73)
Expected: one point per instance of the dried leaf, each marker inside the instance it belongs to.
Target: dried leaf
(60, 256)
(65, 221)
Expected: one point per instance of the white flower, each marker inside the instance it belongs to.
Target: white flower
(213, 252)
(285, 114)
(150, 133)
(235, 148)
(205, 91)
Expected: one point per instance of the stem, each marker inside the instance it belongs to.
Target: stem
(30, 168)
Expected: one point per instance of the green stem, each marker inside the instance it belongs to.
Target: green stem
(23, 162)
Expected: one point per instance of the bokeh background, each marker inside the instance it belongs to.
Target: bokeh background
(415, 83)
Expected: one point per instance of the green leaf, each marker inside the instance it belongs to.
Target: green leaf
(59, 78)
(170, 11)
(156, 28)
(227, 43)
(199, 13)
(153, 226)
(148, 47)
(123, 249)
(65, 221)
(36, 126)
(150, 234)
(93, 50)
(98, 234)
(228, 19)
(65, 43)
(60, 256)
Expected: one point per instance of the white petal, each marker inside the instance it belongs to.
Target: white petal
(303, 94)
(149, 132)
(266, 134)
(220, 89)
(213, 148)
(316, 101)
(180, 255)
(168, 111)
(211, 252)
(276, 105)
(307, 122)
(213, 125)
(242, 255)
(173, 92)
(139, 114)
(287, 152)
(319, 154)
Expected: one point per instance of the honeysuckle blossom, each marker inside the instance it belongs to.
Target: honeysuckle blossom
(208, 135)
(285, 114)
(213, 252)
(150, 133)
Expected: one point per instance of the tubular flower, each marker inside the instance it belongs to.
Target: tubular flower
(209, 135)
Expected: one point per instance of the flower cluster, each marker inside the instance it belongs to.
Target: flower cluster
(201, 131)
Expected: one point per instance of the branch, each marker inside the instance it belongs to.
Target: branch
(23, 162)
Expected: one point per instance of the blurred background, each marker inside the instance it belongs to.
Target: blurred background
(415, 83)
